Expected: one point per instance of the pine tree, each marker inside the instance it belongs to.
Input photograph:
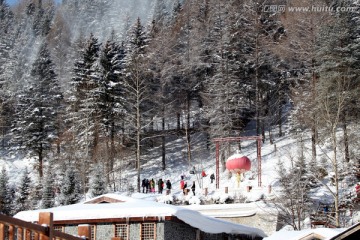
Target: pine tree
(70, 191)
(23, 194)
(5, 198)
(7, 26)
(35, 128)
(43, 16)
(111, 103)
(98, 184)
(85, 112)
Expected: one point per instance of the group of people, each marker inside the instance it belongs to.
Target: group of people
(183, 187)
(148, 186)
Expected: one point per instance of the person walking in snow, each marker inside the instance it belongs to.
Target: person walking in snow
(193, 188)
(182, 182)
(212, 177)
(143, 185)
(168, 186)
(185, 189)
(160, 186)
(152, 185)
(147, 185)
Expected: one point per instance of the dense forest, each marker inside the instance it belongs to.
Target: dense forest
(86, 84)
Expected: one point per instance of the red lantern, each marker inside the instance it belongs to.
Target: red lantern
(238, 163)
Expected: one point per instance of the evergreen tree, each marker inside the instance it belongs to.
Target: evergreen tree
(5, 197)
(70, 191)
(7, 26)
(12, 203)
(98, 184)
(37, 110)
(23, 194)
(43, 16)
(111, 96)
(84, 114)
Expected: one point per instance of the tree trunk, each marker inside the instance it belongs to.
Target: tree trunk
(138, 129)
(313, 142)
(335, 166)
(346, 142)
(163, 148)
(279, 121)
(40, 156)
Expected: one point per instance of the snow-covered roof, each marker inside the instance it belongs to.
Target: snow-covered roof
(128, 207)
(325, 233)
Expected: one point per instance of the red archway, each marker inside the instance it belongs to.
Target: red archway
(217, 141)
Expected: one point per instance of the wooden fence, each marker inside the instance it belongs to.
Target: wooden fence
(16, 229)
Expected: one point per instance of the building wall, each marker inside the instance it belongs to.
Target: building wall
(104, 231)
(164, 231)
(267, 222)
(178, 231)
(134, 231)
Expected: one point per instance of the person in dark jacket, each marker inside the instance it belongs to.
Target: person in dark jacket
(143, 185)
(168, 186)
(193, 188)
(147, 185)
(160, 186)
(212, 177)
(185, 188)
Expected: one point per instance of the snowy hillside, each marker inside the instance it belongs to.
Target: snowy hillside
(284, 149)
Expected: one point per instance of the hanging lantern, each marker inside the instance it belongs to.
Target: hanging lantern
(238, 164)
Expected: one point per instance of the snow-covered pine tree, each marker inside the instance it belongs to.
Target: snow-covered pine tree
(98, 184)
(5, 197)
(23, 194)
(70, 191)
(111, 96)
(12, 203)
(34, 128)
(7, 25)
(222, 88)
(84, 115)
(43, 16)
